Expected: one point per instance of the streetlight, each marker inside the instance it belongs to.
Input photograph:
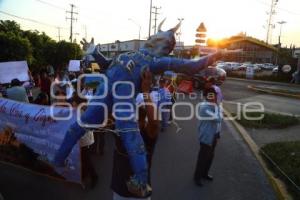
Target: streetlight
(138, 26)
(279, 41)
(281, 23)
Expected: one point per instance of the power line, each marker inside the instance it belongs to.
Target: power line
(61, 8)
(27, 19)
(279, 8)
(50, 4)
(270, 24)
(72, 19)
(150, 19)
(155, 16)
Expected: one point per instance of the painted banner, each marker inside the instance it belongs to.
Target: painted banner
(12, 70)
(30, 137)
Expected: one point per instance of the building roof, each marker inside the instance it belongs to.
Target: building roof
(249, 39)
(133, 40)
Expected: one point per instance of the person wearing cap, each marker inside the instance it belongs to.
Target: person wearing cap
(209, 133)
(17, 92)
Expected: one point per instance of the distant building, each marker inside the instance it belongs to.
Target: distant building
(296, 53)
(112, 49)
(252, 50)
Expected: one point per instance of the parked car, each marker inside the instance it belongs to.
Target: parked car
(235, 65)
(275, 70)
(268, 66)
(242, 67)
(257, 67)
(228, 66)
(224, 66)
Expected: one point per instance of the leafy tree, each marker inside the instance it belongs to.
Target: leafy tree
(37, 48)
(8, 26)
(38, 42)
(65, 51)
(14, 48)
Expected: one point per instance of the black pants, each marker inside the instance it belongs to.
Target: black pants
(88, 170)
(205, 158)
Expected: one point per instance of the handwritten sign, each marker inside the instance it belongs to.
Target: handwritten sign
(74, 66)
(12, 70)
(34, 126)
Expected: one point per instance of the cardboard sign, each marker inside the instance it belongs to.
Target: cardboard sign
(12, 70)
(74, 66)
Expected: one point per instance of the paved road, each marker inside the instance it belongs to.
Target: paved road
(237, 173)
(236, 91)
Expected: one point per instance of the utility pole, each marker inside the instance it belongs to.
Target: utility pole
(72, 19)
(270, 24)
(58, 29)
(279, 38)
(155, 16)
(150, 19)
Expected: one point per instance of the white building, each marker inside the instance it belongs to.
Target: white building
(112, 49)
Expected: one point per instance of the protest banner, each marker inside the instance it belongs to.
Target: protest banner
(74, 66)
(30, 135)
(12, 70)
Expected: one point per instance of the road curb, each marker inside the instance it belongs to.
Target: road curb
(262, 81)
(272, 92)
(278, 186)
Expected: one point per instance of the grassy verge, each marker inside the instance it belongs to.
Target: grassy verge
(287, 156)
(269, 120)
(274, 78)
(279, 90)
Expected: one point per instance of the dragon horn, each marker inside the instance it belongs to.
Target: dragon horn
(176, 27)
(160, 25)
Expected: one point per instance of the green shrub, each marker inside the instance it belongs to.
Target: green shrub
(287, 156)
(269, 120)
